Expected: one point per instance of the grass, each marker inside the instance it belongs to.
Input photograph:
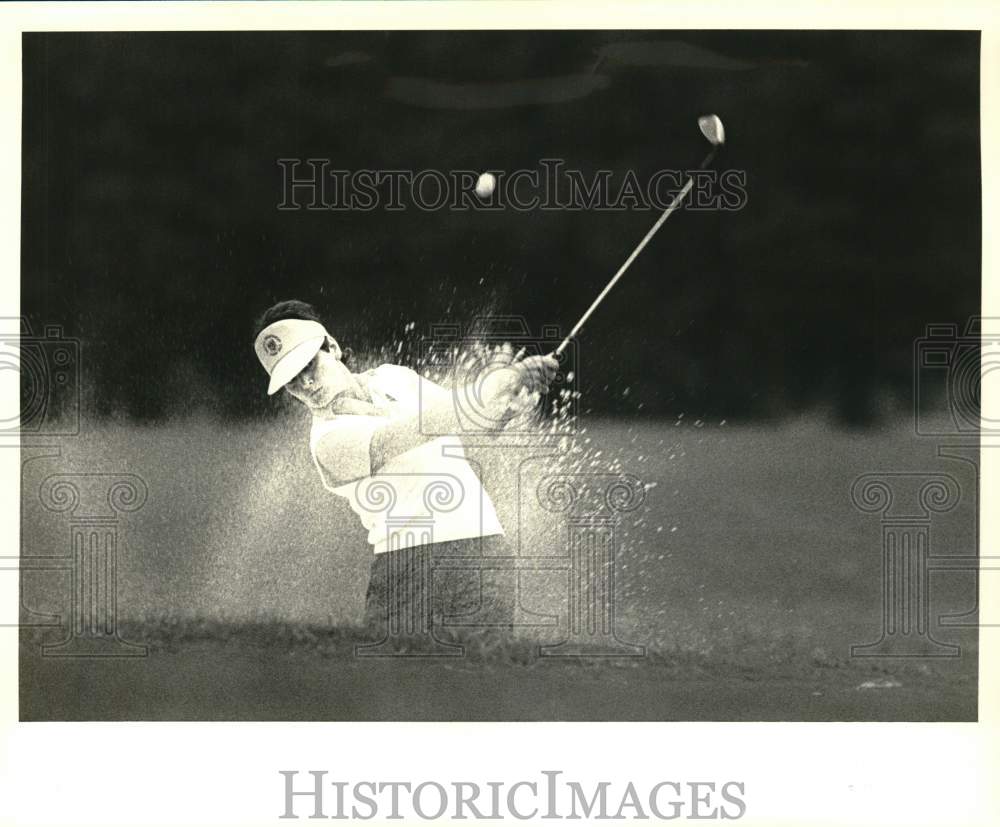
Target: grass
(743, 655)
(745, 563)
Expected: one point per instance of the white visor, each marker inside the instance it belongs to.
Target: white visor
(286, 347)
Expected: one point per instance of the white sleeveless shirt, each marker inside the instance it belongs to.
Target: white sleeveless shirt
(429, 494)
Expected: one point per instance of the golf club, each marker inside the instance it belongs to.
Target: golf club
(711, 127)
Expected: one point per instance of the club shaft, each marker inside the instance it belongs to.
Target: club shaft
(621, 271)
(635, 253)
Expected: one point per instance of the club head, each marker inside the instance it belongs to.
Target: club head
(711, 127)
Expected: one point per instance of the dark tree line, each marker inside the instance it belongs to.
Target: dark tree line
(151, 230)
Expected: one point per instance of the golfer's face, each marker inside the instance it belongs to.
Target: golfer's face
(320, 382)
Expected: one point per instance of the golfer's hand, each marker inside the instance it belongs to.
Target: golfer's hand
(508, 376)
(528, 379)
(536, 373)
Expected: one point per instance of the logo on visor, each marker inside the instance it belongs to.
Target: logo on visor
(272, 345)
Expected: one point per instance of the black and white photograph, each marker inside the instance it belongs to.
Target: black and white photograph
(417, 411)
(535, 375)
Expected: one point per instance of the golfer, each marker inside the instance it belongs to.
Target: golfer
(384, 438)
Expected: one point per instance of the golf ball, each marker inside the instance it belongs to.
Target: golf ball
(485, 185)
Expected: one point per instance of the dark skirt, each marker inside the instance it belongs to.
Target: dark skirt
(440, 592)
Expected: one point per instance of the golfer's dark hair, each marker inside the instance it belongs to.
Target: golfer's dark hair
(289, 309)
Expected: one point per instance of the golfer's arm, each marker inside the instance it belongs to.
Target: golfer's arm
(438, 416)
